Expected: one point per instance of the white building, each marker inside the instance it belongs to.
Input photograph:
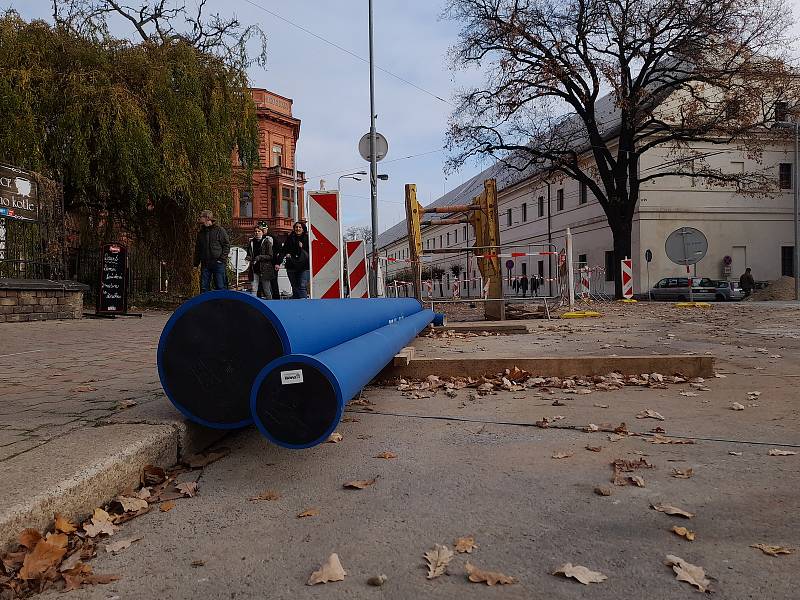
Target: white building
(534, 211)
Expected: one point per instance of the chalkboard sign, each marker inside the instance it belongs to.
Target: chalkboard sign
(112, 291)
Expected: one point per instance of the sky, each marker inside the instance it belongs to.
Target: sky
(330, 90)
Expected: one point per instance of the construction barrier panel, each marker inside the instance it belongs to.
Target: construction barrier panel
(325, 234)
(627, 278)
(357, 269)
(214, 345)
(297, 400)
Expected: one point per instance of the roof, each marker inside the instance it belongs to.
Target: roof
(571, 132)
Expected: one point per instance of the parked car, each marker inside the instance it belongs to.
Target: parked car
(677, 288)
(728, 291)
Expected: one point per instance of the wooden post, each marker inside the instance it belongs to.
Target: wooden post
(413, 212)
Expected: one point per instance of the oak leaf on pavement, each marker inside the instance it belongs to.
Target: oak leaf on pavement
(778, 452)
(118, 546)
(43, 557)
(29, 538)
(309, 512)
(683, 532)
(64, 525)
(387, 455)
(682, 474)
(671, 510)
(438, 558)
(269, 495)
(465, 544)
(331, 570)
(580, 573)
(773, 550)
(691, 574)
(477, 575)
(187, 488)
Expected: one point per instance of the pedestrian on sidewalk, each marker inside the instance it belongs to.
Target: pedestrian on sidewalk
(276, 260)
(747, 282)
(259, 255)
(211, 253)
(295, 249)
(523, 283)
(534, 285)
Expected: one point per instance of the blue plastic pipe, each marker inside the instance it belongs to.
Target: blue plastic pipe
(214, 345)
(297, 400)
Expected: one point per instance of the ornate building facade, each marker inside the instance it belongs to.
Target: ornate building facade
(269, 197)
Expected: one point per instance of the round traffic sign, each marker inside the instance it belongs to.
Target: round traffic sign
(648, 255)
(686, 246)
(236, 259)
(509, 264)
(381, 147)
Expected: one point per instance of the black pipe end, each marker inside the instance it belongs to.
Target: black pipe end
(210, 356)
(295, 405)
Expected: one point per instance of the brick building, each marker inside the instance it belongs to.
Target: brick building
(269, 197)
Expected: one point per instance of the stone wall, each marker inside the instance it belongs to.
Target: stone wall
(54, 302)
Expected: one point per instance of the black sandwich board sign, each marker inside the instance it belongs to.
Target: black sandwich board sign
(112, 291)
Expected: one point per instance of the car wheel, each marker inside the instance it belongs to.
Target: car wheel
(720, 298)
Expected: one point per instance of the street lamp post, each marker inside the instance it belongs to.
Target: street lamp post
(796, 215)
(348, 176)
(373, 163)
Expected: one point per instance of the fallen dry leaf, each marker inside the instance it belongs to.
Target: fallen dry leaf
(386, 455)
(131, 504)
(562, 454)
(683, 532)
(187, 488)
(331, 570)
(152, 475)
(636, 480)
(438, 559)
(167, 506)
(100, 523)
(661, 439)
(682, 474)
(582, 574)
(671, 510)
(650, 414)
(594, 448)
(622, 466)
(84, 388)
(737, 406)
(465, 544)
(691, 574)
(335, 438)
(689, 394)
(43, 557)
(29, 538)
(602, 491)
(377, 581)
(120, 545)
(64, 525)
(359, 484)
(309, 512)
(269, 495)
(198, 461)
(477, 575)
(773, 550)
(777, 452)
(57, 539)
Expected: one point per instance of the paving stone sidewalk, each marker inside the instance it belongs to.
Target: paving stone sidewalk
(57, 377)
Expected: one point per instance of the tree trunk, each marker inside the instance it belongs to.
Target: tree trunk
(621, 229)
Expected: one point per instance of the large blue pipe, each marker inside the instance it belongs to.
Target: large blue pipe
(297, 400)
(214, 345)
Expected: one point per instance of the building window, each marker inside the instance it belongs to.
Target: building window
(787, 261)
(286, 202)
(465, 233)
(584, 193)
(781, 111)
(583, 260)
(609, 265)
(274, 201)
(277, 155)
(541, 206)
(245, 205)
(541, 268)
(448, 238)
(525, 269)
(524, 212)
(785, 176)
(441, 245)
(508, 217)
(737, 166)
(560, 199)
(455, 236)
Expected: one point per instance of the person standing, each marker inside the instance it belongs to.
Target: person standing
(747, 282)
(254, 253)
(211, 253)
(534, 285)
(523, 284)
(275, 262)
(295, 251)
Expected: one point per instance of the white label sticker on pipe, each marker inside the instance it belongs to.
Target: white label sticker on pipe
(289, 377)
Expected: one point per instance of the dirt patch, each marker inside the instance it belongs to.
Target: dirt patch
(780, 289)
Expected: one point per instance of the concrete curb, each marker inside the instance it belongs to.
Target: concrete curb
(75, 473)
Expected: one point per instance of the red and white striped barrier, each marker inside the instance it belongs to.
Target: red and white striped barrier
(584, 282)
(627, 278)
(326, 244)
(357, 268)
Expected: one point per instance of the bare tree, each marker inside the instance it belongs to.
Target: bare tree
(582, 89)
(167, 22)
(359, 232)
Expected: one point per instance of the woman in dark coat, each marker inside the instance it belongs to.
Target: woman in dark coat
(295, 249)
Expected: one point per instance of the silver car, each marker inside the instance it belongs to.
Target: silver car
(677, 288)
(728, 291)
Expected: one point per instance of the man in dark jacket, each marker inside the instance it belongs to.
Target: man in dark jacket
(747, 282)
(211, 252)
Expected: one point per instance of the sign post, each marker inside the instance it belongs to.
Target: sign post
(687, 246)
(648, 256)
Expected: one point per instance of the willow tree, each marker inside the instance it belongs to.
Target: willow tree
(581, 89)
(140, 134)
